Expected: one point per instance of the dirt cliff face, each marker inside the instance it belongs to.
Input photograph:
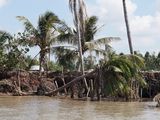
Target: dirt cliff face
(26, 82)
(20, 82)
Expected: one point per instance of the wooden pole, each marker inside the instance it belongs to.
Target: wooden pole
(56, 86)
(65, 90)
(98, 85)
(141, 92)
(92, 91)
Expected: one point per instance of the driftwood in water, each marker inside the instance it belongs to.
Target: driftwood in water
(70, 83)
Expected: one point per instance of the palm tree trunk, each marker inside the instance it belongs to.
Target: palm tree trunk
(77, 8)
(42, 61)
(127, 27)
(129, 39)
(80, 52)
(40, 64)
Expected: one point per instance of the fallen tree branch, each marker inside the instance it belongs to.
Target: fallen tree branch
(70, 83)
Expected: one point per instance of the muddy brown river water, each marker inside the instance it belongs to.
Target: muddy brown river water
(46, 108)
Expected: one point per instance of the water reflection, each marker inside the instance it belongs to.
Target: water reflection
(46, 108)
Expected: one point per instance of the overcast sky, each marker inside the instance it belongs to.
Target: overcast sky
(144, 18)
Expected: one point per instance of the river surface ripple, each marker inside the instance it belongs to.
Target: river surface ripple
(47, 108)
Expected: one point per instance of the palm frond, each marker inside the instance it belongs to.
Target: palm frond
(70, 47)
(28, 25)
(118, 73)
(90, 28)
(5, 39)
(67, 36)
(105, 40)
(46, 23)
(65, 56)
(5, 35)
(139, 61)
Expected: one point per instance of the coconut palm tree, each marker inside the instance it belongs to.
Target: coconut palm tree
(127, 26)
(78, 9)
(66, 57)
(92, 44)
(43, 36)
(117, 73)
(89, 43)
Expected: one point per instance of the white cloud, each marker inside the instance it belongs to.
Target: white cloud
(144, 29)
(3, 2)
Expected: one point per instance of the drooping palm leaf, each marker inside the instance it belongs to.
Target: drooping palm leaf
(90, 28)
(5, 39)
(118, 72)
(28, 25)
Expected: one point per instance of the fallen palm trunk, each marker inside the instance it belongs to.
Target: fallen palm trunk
(69, 84)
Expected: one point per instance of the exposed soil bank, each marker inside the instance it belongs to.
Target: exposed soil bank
(25, 83)
(20, 82)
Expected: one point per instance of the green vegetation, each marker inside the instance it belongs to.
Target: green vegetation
(75, 50)
(119, 71)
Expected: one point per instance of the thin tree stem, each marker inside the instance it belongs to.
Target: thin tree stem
(127, 27)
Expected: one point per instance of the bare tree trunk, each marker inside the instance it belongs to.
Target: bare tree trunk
(127, 27)
(80, 53)
(43, 61)
(40, 64)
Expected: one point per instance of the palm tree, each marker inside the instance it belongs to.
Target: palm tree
(127, 26)
(43, 36)
(66, 57)
(89, 43)
(117, 73)
(78, 9)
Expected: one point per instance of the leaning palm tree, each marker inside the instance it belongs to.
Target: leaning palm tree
(116, 75)
(127, 27)
(43, 36)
